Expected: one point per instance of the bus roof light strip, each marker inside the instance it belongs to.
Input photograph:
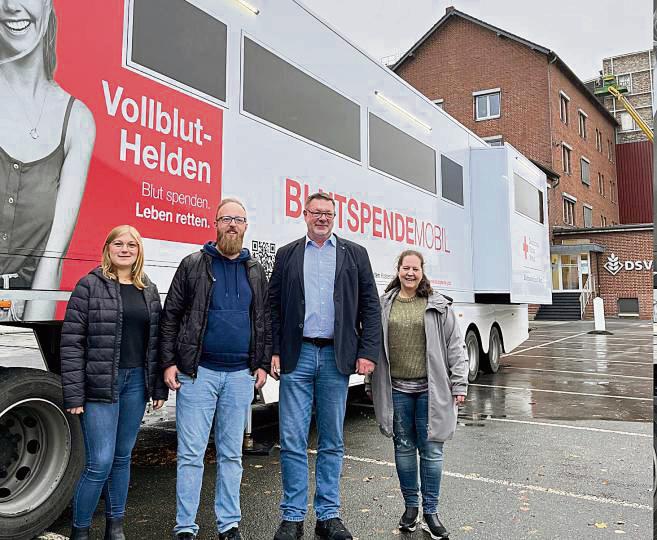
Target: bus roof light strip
(402, 110)
(250, 7)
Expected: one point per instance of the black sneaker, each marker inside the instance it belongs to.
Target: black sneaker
(409, 519)
(289, 530)
(332, 529)
(434, 527)
(231, 534)
(185, 535)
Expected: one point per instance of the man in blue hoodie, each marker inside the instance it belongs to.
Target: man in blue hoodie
(215, 346)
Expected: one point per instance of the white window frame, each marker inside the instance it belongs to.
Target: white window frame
(438, 103)
(569, 162)
(582, 117)
(629, 86)
(489, 92)
(563, 98)
(581, 170)
(598, 140)
(494, 138)
(586, 207)
(625, 114)
(568, 206)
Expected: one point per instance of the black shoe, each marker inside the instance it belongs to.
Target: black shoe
(185, 535)
(409, 519)
(231, 534)
(114, 529)
(289, 530)
(79, 533)
(434, 527)
(332, 529)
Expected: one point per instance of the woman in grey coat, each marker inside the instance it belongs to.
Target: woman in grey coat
(419, 382)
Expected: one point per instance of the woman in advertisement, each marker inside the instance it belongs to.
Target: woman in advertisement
(46, 141)
(109, 372)
(421, 378)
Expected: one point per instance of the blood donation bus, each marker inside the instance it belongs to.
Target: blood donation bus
(148, 112)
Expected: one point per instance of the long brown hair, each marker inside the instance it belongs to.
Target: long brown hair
(424, 289)
(137, 270)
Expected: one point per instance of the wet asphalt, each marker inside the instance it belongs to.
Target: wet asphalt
(557, 444)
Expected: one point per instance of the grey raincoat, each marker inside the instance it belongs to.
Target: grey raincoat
(447, 368)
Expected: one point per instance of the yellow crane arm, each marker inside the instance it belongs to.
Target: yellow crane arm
(632, 111)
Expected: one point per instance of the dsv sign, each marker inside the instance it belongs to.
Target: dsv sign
(615, 265)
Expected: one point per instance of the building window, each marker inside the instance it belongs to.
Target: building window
(624, 81)
(563, 107)
(439, 103)
(497, 140)
(566, 152)
(601, 184)
(628, 307)
(585, 168)
(487, 104)
(612, 191)
(582, 124)
(627, 122)
(598, 140)
(603, 221)
(588, 216)
(610, 151)
(568, 211)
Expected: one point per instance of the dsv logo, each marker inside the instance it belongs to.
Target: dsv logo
(614, 265)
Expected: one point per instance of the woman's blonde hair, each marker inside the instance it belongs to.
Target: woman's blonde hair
(137, 271)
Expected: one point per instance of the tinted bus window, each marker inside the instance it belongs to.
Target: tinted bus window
(400, 155)
(529, 199)
(182, 42)
(451, 174)
(282, 94)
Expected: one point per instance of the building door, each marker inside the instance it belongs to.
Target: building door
(570, 272)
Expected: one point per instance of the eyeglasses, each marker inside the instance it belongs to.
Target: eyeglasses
(227, 220)
(316, 215)
(132, 246)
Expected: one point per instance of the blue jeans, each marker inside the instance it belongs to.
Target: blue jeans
(316, 377)
(109, 431)
(224, 396)
(411, 416)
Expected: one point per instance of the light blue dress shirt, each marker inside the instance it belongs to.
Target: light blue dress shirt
(318, 282)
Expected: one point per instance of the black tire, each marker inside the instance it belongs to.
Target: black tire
(41, 452)
(491, 361)
(473, 348)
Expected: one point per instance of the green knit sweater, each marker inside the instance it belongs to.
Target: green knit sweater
(406, 339)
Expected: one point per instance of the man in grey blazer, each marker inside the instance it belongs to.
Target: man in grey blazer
(326, 325)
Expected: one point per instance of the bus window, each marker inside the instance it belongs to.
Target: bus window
(394, 152)
(285, 96)
(529, 200)
(178, 40)
(451, 180)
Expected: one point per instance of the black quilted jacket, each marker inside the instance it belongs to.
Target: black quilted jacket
(185, 315)
(91, 342)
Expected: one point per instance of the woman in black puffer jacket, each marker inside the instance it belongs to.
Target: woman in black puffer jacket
(109, 372)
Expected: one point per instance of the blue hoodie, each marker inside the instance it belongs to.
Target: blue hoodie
(228, 332)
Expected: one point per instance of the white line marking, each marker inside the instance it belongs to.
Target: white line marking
(476, 478)
(579, 373)
(544, 344)
(566, 426)
(580, 359)
(560, 392)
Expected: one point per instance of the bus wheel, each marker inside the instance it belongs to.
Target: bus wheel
(41, 452)
(491, 361)
(474, 348)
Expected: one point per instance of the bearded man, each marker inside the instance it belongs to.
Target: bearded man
(215, 346)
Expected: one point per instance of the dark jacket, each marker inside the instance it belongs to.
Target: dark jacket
(185, 315)
(91, 342)
(357, 327)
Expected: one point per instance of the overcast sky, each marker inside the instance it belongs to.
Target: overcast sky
(581, 32)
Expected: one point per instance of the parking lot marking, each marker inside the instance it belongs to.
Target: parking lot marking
(548, 343)
(579, 372)
(507, 483)
(560, 392)
(566, 426)
(580, 359)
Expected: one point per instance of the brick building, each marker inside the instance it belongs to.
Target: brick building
(508, 89)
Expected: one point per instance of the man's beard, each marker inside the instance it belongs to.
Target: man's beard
(229, 244)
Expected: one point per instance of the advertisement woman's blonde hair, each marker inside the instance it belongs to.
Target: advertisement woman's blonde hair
(137, 271)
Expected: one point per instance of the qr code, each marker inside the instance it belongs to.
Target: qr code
(264, 253)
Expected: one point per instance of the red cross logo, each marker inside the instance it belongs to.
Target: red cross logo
(525, 246)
